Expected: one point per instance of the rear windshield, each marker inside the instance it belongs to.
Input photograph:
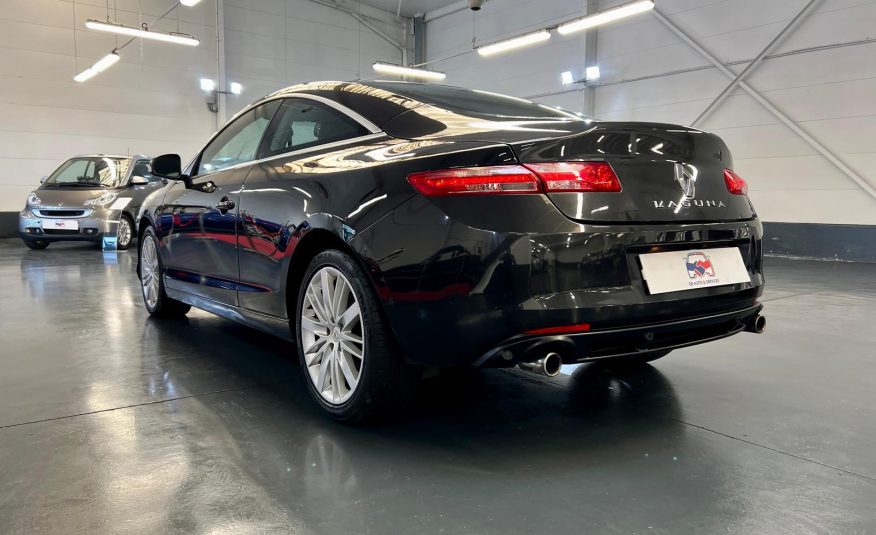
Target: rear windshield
(476, 102)
(91, 172)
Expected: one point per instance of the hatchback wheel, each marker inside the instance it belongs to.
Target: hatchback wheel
(349, 360)
(36, 244)
(124, 233)
(151, 282)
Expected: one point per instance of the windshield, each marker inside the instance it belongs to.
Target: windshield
(92, 172)
(476, 102)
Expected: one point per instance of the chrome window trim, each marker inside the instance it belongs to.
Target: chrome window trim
(368, 125)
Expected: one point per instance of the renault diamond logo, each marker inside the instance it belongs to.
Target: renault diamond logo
(686, 176)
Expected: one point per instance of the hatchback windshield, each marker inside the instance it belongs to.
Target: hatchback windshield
(93, 172)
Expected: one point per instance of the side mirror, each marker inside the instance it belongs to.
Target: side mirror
(43, 179)
(168, 166)
(138, 181)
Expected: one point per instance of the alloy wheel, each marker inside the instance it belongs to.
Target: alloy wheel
(149, 272)
(332, 335)
(123, 236)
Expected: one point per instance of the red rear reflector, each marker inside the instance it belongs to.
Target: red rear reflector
(735, 184)
(577, 176)
(565, 329)
(499, 179)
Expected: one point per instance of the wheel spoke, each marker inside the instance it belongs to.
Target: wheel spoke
(350, 337)
(350, 315)
(326, 300)
(315, 327)
(323, 368)
(347, 369)
(351, 350)
(311, 356)
(317, 306)
(339, 299)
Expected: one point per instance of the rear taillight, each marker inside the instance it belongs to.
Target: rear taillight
(577, 176)
(503, 179)
(516, 179)
(735, 184)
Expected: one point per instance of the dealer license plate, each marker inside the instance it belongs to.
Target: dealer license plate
(689, 270)
(60, 224)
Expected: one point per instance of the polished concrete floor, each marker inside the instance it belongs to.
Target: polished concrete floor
(112, 422)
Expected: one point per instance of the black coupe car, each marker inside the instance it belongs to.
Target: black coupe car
(391, 226)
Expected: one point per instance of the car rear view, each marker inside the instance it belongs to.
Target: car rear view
(588, 241)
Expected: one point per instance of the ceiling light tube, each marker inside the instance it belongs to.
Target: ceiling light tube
(189, 3)
(609, 15)
(178, 38)
(102, 64)
(516, 42)
(398, 70)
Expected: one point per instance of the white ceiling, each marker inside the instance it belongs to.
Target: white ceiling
(410, 8)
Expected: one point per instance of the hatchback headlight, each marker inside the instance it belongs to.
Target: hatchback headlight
(103, 200)
(33, 200)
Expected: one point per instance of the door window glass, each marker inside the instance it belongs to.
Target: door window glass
(239, 141)
(301, 123)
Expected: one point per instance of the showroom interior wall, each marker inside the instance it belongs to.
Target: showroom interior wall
(272, 44)
(824, 80)
(149, 102)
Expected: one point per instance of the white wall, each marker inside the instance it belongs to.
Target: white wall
(271, 44)
(830, 93)
(147, 103)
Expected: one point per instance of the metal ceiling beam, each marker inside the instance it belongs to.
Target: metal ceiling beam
(756, 61)
(365, 22)
(814, 143)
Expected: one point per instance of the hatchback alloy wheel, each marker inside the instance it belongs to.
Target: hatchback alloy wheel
(149, 272)
(123, 235)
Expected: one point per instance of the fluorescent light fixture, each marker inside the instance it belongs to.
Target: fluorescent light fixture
(111, 27)
(235, 88)
(398, 70)
(591, 73)
(102, 64)
(189, 3)
(609, 15)
(516, 42)
(207, 84)
(566, 77)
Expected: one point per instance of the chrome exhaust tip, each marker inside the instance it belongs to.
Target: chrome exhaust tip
(549, 365)
(757, 325)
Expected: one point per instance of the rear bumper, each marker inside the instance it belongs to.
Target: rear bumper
(621, 341)
(456, 295)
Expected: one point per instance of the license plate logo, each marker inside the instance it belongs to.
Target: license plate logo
(699, 265)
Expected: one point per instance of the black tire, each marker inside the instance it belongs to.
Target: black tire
(386, 384)
(632, 361)
(36, 245)
(124, 246)
(163, 306)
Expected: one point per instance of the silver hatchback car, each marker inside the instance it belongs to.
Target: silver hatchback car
(84, 197)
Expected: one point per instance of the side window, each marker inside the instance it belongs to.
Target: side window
(141, 168)
(239, 141)
(301, 123)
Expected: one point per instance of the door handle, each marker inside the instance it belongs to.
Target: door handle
(225, 204)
